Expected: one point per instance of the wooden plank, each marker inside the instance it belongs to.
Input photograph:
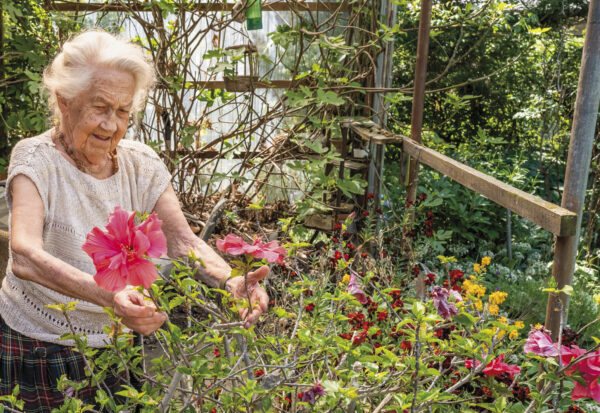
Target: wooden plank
(547, 215)
(220, 84)
(200, 7)
(375, 135)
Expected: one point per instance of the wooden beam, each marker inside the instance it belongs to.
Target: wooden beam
(200, 7)
(559, 221)
(220, 84)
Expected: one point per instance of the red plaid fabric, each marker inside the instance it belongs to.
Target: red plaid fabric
(36, 366)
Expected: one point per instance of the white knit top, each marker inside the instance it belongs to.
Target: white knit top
(74, 203)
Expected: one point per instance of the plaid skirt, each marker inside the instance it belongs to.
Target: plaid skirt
(36, 366)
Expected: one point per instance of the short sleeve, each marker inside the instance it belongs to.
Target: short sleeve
(159, 181)
(153, 176)
(29, 158)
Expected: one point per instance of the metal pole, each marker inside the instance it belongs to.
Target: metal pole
(578, 163)
(417, 110)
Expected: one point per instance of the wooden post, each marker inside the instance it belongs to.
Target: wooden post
(417, 110)
(578, 163)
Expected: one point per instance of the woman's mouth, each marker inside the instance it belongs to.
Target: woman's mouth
(102, 138)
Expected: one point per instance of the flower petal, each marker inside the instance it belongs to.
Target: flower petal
(152, 229)
(110, 280)
(142, 272)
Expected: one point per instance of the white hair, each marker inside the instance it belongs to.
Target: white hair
(71, 71)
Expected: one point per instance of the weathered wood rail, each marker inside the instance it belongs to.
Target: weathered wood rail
(558, 220)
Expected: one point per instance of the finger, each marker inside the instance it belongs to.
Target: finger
(253, 317)
(131, 305)
(256, 276)
(243, 312)
(263, 299)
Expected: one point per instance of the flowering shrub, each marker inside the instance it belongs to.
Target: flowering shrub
(344, 333)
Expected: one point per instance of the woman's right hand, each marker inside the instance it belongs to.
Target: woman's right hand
(137, 313)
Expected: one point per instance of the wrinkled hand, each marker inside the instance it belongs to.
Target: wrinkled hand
(258, 296)
(137, 313)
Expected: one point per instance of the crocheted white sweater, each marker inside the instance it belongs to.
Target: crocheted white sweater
(74, 203)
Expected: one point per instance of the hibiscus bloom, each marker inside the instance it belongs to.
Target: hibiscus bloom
(311, 394)
(234, 245)
(440, 301)
(497, 367)
(119, 252)
(540, 344)
(591, 389)
(354, 289)
(271, 251)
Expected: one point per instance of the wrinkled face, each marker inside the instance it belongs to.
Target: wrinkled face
(96, 120)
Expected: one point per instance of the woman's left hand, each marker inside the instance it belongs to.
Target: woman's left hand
(258, 296)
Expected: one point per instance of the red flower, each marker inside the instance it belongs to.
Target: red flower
(370, 195)
(217, 352)
(430, 214)
(350, 246)
(359, 338)
(259, 372)
(309, 307)
(337, 226)
(406, 345)
(118, 253)
(422, 197)
(338, 255)
(383, 254)
(382, 316)
(335, 240)
(497, 367)
(365, 213)
(346, 336)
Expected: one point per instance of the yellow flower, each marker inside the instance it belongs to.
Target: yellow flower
(493, 308)
(486, 261)
(597, 298)
(476, 268)
(501, 333)
(472, 288)
(472, 277)
(345, 279)
(478, 305)
(519, 324)
(513, 334)
(498, 297)
(503, 320)
(538, 326)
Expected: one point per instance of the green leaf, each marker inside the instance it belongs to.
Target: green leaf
(329, 97)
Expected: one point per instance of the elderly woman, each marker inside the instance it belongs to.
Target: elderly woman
(60, 185)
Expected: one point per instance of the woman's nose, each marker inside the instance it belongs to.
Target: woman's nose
(109, 122)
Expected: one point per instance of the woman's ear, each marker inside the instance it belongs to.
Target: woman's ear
(63, 104)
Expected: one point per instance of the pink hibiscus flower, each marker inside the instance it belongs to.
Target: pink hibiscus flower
(354, 289)
(497, 367)
(234, 245)
(591, 388)
(271, 251)
(540, 344)
(119, 252)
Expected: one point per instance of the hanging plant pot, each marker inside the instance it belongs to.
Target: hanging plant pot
(241, 83)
